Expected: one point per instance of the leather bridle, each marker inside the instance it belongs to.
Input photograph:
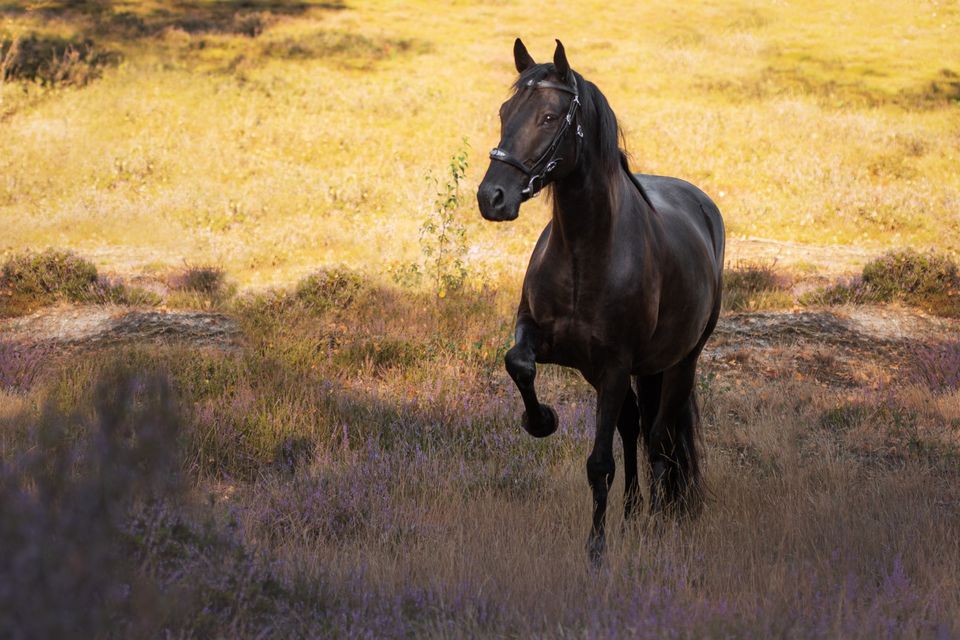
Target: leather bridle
(547, 161)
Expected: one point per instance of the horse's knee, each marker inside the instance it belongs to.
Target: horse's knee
(600, 471)
(521, 365)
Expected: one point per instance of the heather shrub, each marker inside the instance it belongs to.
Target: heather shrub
(908, 273)
(48, 275)
(52, 61)
(753, 286)
(21, 365)
(336, 499)
(936, 366)
(207, 280)
(31, 280)
(930, 281)
(64, 504)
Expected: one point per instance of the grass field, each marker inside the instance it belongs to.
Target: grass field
(310, 143)
(346, 460)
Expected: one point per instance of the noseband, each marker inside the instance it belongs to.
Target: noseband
(547, 161)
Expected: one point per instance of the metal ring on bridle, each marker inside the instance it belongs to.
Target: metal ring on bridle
(547, 160)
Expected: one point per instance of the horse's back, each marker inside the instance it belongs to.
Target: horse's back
(675, 198)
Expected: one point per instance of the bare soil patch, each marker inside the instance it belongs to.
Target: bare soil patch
(840, 347)
(827, 261)
(105, 326)
(845, 346)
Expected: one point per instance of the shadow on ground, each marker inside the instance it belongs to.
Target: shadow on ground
(110, 19)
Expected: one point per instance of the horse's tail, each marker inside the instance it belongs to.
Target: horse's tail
(689, 491)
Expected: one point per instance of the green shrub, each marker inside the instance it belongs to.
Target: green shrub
(443, 236)
(326, 289)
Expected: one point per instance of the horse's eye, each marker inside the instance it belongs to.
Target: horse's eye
(547, 119)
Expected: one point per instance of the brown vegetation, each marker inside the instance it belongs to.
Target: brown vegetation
(361, 470)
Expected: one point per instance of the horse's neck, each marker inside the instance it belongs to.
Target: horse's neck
(584, 210)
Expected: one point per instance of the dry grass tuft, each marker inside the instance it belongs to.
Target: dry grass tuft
(203, 287)
(755, 286)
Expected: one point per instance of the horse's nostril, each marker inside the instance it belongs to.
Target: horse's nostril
(497, 199)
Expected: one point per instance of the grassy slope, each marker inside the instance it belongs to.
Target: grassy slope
(812, 123)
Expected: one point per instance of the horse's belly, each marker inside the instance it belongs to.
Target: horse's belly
(671, 342)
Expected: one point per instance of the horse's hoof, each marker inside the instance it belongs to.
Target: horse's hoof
(596, 548)
(543, 427)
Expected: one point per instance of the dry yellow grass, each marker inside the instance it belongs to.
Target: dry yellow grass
(309, 144)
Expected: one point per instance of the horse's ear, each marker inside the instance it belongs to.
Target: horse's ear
(560, 61)
(521, 57)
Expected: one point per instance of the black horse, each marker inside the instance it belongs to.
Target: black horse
(625, 281)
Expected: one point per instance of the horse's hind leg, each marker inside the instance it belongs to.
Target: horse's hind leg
(648, 400)
(539, 420)
(628, 424)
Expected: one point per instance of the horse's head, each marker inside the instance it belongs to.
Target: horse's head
(540, 135)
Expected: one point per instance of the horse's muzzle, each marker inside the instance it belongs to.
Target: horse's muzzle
(495, 204)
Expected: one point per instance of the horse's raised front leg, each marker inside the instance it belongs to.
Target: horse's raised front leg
(600, 465)
(539, 420)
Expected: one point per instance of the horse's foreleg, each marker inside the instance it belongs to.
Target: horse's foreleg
(600, 465)
(539, 420)
(628, 425)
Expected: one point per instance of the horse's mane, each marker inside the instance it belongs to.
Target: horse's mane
(604, 139)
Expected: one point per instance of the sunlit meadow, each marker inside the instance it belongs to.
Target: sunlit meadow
(309, 143)
(346, 459)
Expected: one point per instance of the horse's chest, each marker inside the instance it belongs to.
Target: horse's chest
(571, 332)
